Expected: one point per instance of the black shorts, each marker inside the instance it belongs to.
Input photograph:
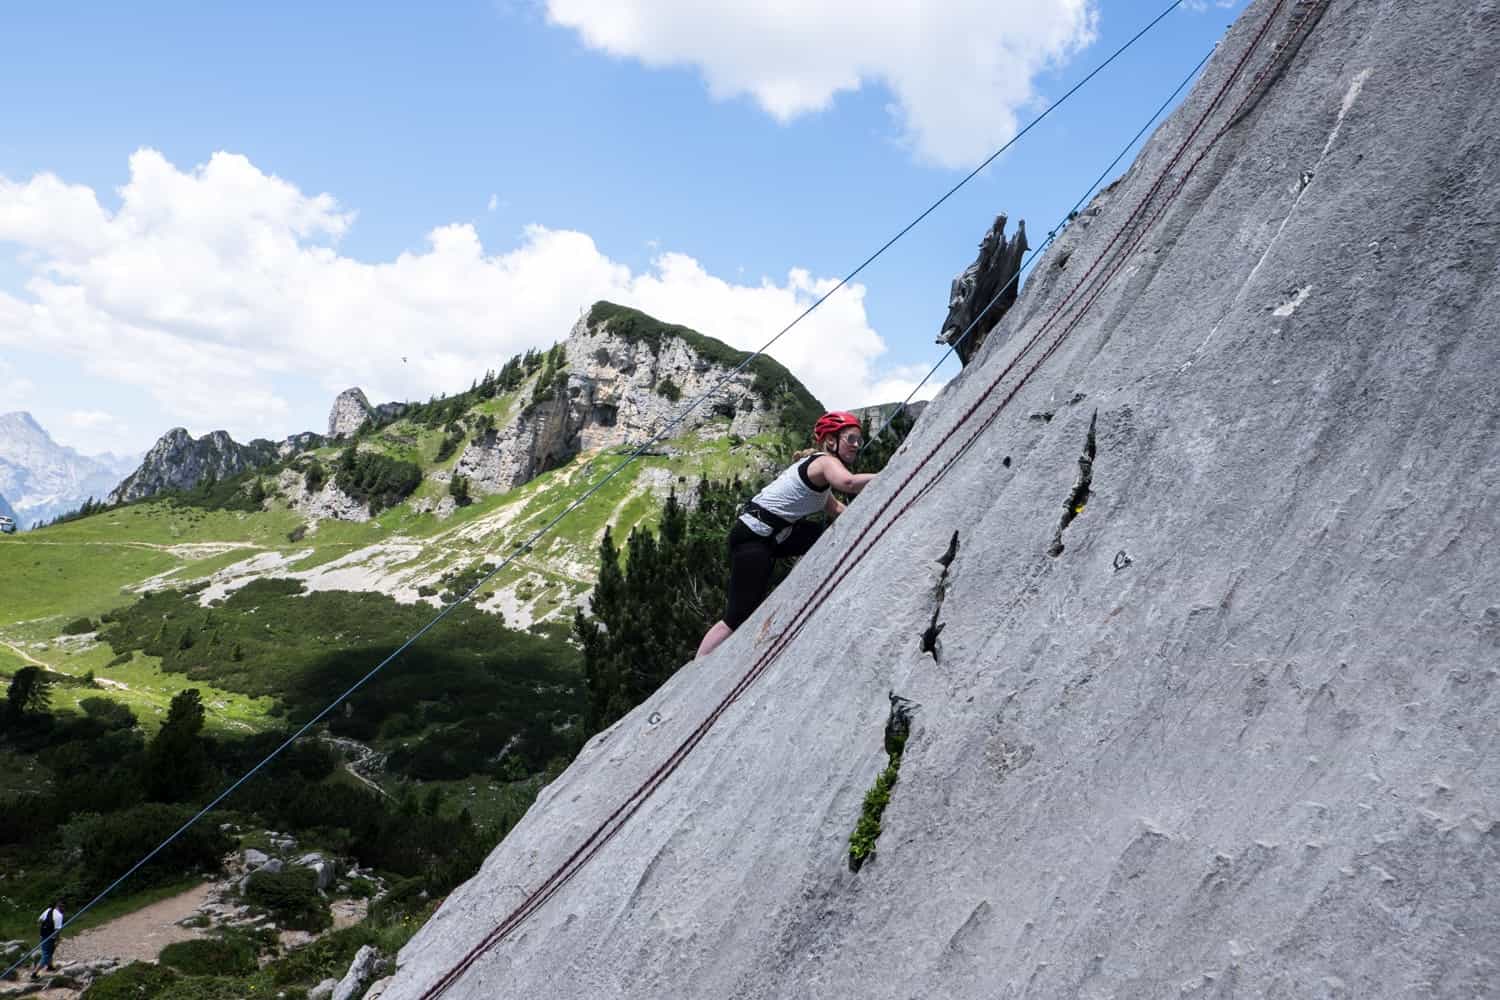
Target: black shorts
(750, 563)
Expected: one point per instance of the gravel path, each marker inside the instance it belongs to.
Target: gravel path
(141, 935)
(138, 936)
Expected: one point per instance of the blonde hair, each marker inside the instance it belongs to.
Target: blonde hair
(818, 449)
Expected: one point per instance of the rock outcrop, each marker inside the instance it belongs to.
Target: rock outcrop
(985, 289)
(178, 461)
(298, 443)
(327, 502)
(627, 377)
(881, 412)
(1234, 737)
(351, 411)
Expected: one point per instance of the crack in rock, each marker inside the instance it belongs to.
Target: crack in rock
(1078, 496)
(930, 643)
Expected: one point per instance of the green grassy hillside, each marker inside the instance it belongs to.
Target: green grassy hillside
(230, 591)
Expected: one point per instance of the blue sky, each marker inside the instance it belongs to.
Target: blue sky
(719, 168)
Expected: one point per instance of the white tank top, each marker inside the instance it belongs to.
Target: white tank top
(791, 496)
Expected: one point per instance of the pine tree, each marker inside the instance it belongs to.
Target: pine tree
(30, 693)
(177, 759)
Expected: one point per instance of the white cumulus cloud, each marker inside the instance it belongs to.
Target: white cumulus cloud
(215, 289)
(958, 70)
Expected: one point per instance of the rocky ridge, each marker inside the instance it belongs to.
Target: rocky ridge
(178, 461)
(620, 390)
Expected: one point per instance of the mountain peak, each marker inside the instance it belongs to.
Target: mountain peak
(41, 478)
(21, 420)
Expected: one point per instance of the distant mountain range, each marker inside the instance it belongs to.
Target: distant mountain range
(41, 479)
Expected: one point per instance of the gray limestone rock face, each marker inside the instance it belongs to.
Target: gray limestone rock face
(324, 868)
(351, 411)
(1229, 732)
(364, 968)
(327, 502)
(619, 392)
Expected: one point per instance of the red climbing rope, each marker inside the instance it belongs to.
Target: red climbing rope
(859, 547)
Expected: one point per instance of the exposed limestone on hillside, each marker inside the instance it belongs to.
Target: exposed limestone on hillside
(351, 411)
(326, 502)
(622, 388)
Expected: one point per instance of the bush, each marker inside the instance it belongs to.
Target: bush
(78, 626)
(862, 840)
(297, 534)
(105, 846)
(449, 446)
(110, 713)
(211, 957)
(120, 660)
(327, 957)
(458, 489)
(361, 888)
(136, 981)
(377, 479)
(291, 897)
(668, 389)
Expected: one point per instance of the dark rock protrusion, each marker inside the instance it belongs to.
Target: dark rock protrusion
(946, 559)
(898, 724)
(934, 628)
(994, 276)
(1078, 496)
(930, 637)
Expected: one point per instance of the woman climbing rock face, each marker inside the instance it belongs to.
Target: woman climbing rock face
(773, 525)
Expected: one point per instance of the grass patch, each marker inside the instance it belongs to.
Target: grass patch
(862, 840)
(45, 580)
(140, 684)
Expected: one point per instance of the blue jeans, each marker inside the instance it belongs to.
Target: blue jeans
(47, 945)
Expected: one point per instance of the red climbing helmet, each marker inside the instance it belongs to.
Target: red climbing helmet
(832, 422)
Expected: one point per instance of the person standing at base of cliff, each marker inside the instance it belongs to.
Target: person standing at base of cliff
(49, 927)
(773, 525)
